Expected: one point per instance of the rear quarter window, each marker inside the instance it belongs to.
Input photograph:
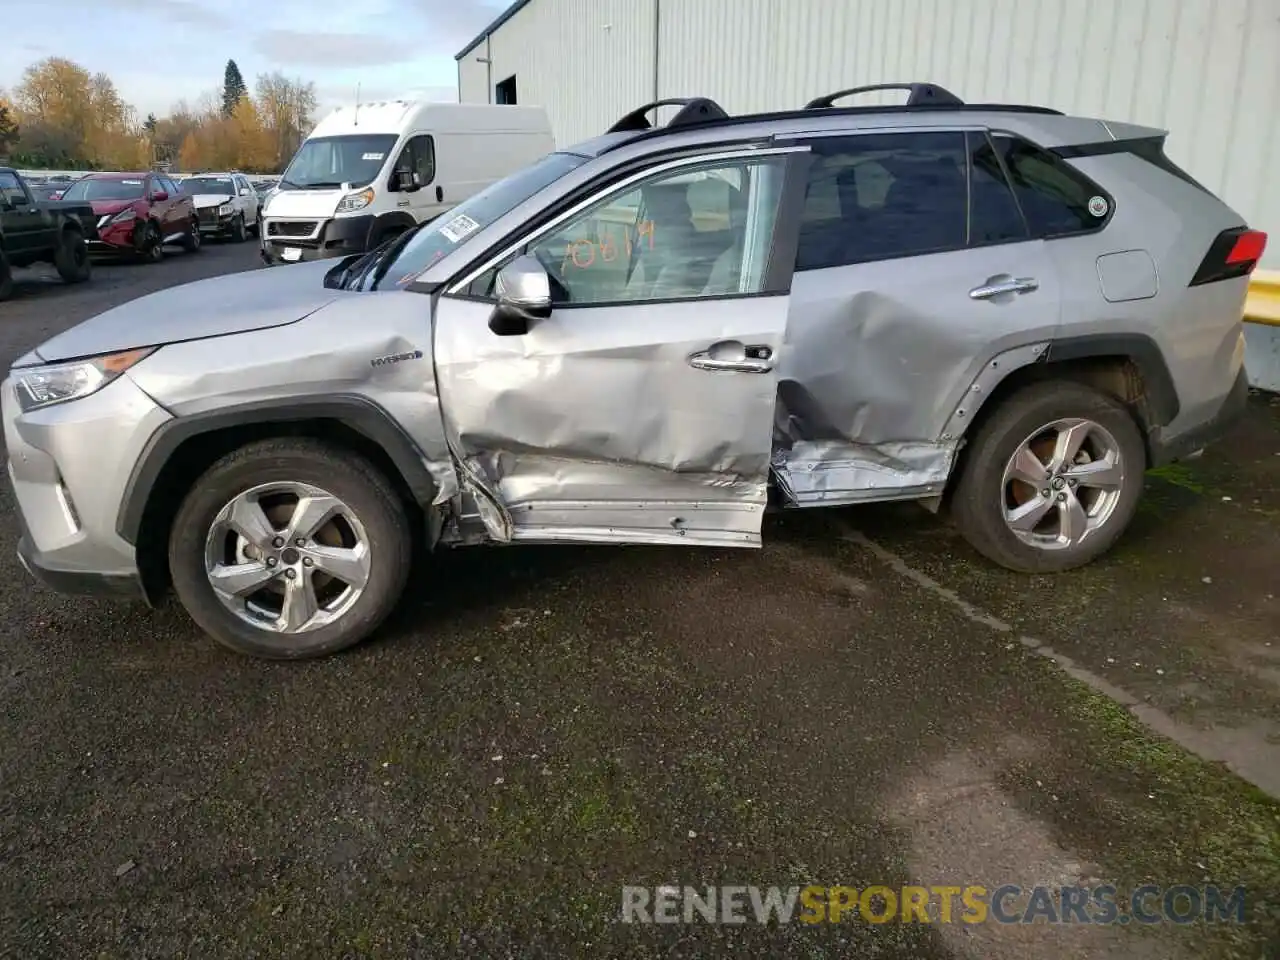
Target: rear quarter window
(1056, 199)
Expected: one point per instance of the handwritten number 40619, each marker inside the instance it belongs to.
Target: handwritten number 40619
(585, 253)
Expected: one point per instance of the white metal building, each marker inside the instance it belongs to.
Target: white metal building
(1206, 70)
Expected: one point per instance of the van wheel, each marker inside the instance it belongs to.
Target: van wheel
(72, 257)
(1051, 480)
(290, 549)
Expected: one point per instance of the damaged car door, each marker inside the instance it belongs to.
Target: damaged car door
(915, 272)
(611, 377)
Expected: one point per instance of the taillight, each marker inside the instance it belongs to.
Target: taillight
(1233, 253)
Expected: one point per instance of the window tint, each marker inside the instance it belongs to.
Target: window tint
(994, 216)
(704, 232)
(12, 190)
(1054, 198)
(878, 196)
(419, 158)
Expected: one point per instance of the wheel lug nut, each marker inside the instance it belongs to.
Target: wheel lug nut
(300, 542)
(1045, 492)
(1062, 498)
(278, 542)
(271, 561)
(290, 574)
(307, 561)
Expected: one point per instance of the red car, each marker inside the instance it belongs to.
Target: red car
(138, 213)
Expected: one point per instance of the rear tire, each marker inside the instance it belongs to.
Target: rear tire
(72, 257)
(199, 543)
(1078, 507)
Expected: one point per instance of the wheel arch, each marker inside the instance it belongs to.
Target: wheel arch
(392, 220)
(181, 450)
(1127, 367)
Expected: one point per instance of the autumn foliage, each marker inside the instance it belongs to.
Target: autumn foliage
(62, 117)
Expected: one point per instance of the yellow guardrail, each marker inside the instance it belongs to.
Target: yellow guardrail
(1263, 303)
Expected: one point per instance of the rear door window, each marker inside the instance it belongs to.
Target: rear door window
(994, 216)
(880, 196)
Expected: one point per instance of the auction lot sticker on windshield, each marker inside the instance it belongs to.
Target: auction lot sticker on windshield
(132, 183)
(459, 227)
(373, 156)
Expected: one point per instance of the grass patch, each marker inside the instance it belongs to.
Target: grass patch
(1151, 812)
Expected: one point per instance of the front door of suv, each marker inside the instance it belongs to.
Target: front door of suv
(641, 409)
(915, 269)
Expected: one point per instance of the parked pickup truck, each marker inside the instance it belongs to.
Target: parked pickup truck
(33, 231)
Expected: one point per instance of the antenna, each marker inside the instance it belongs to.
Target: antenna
(355, 121)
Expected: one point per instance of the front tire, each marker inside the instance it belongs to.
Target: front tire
(238, 232)
(1051, 480)
(290, 549)
(6, 278)
(192, 240)
(71, 259)
(151, 245)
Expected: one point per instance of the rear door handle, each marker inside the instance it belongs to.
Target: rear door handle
(731, 356)
(995, 287)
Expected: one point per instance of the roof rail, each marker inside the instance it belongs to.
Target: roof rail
(693, 110)
(921, 95)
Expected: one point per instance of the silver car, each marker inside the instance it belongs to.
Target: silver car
(653, 337)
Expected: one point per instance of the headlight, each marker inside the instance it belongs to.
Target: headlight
(226, 210)
(355, 201)
(59, 382)
(124, 216)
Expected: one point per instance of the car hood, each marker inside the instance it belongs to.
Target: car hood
(212, 199)
(107, 207)
(254, 300)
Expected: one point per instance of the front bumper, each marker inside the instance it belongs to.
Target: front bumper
(69, 465)
(315, 240)
(214, 225)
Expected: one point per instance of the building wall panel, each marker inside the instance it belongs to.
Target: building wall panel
(1207, 70)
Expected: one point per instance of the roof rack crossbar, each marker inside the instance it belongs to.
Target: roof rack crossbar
(920, 95)
(693, 110)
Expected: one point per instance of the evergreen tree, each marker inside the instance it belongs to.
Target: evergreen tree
(233, 88)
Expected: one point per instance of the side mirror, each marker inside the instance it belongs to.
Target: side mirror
(524, 295)
(244, 191)
(404, 181)
(159, 196)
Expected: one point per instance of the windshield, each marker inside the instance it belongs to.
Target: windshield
(208, 185)
(104, 190)
(332, 161)
(441, 236)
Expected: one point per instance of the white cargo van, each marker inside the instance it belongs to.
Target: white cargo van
(371, 171)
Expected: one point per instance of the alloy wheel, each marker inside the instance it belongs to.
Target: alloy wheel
(1062, 484)
(287, 558)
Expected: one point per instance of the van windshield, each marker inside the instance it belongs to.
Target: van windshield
(441, 236)
(329, 162)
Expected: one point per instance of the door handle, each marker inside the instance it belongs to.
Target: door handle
(997, 286)
(733, 357)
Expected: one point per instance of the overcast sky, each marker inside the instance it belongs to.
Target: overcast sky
(159, 51)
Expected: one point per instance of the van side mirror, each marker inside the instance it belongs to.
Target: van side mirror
(524, 295)
(404, 181)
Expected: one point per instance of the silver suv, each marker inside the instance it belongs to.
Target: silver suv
(653, 337)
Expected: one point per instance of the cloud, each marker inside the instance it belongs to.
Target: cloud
(188, 12)
(452, 23)
(331, 50)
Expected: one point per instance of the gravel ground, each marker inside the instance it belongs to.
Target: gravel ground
(861, 702)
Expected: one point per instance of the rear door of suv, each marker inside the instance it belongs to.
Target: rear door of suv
(915, 269)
